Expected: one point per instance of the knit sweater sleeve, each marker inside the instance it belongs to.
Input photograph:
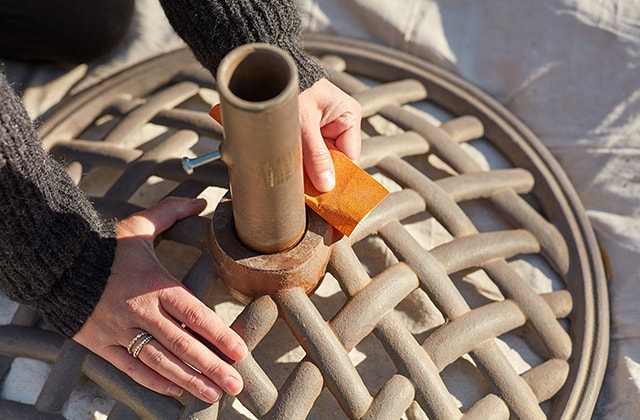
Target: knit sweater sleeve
(212, 28)
(55, 250)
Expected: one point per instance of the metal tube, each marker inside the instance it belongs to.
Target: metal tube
(258, 86)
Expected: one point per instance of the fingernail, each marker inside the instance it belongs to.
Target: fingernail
(326, 181)
(238, 351)
(232, 385)
(211, 394)
(174, 390)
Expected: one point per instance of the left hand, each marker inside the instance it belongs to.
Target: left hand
(141, 296)
(327, 113)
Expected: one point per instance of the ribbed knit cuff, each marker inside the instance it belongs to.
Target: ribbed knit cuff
(309, 71)
(73, 298)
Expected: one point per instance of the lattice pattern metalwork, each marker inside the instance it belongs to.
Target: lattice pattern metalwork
(474, 290)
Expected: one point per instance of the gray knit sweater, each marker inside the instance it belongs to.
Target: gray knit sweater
(55, 249)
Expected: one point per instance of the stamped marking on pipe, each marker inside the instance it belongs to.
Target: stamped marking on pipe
(278, 171)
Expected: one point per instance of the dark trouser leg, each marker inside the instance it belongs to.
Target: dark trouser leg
(62, 31)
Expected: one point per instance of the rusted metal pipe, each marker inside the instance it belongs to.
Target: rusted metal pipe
(258, 86)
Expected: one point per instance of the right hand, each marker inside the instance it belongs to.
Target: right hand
(141, 295)
(328, 113)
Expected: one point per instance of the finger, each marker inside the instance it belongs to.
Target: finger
(345, 132)
(180, 304)
(175, 347)
(139, 372)
(164, 214)
(164, 362)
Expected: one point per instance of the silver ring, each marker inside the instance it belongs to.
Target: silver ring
(140, 345)
(133, 341)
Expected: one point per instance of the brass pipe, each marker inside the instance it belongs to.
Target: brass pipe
(258, 86)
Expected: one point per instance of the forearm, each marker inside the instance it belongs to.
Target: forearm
(55, 250)
(212, 28)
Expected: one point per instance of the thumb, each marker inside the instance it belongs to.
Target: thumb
(164, 214)
(317, 160)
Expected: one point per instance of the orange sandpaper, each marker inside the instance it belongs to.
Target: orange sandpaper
(356, 192)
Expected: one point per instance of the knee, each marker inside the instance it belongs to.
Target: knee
(99, 26)
(63, 31)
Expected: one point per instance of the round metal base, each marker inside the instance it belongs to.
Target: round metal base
(475, 289)
(249, 274)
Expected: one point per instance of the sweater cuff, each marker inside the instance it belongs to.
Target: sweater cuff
(309, 71)
(72, 299)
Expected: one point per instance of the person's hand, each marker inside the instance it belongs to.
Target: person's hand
(141, 296)
(327, 113)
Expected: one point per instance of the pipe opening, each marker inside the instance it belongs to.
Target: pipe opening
(260, 76)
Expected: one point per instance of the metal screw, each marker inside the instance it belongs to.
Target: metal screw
(189, 164)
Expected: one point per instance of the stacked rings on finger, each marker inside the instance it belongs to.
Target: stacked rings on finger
(138, 342)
